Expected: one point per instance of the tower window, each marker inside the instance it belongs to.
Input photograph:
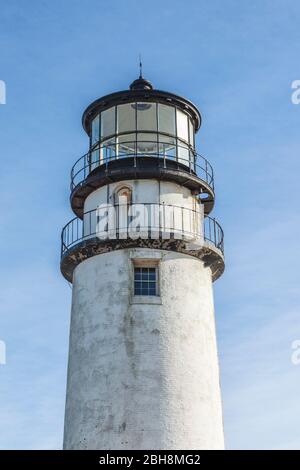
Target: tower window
(145, 281)
(123, 196)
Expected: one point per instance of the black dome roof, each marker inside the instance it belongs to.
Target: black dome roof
(140, 90)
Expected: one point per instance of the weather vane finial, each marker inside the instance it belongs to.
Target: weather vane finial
(141, 66)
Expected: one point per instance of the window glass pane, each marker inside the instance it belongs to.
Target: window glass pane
(107, 122)
(126, 117)
(166, 119)
(145, 281)
(146, 116)
(191, 131)
(182, 125)
(147, 143)
(152, 275)
(137, 274)
(95, 130)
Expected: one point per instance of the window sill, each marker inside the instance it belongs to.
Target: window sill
(146, 299)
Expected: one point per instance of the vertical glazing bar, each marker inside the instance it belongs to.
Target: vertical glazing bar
(135, 149)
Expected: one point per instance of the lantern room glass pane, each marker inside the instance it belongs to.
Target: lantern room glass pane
(166, 119)
(94, 159)
(95, 130)
(126, 145)
(167, 146)
(147, 144)
(146, 116)
(192, 160)
(108, 121)
(191, 133)
(126, 118)
(108, 150)
(183, 153)
(182, 125)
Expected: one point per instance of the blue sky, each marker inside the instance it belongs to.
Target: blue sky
(236, 61)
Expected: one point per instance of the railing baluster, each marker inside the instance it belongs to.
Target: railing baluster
(215, 238)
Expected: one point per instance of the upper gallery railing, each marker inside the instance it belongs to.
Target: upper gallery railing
(182, 156)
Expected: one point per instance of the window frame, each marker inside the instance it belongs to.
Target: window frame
(148, 281)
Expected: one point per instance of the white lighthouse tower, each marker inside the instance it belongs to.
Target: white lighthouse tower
(142, 255)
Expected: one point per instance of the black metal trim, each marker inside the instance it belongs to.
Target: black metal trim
(211, 256)
(128, 96)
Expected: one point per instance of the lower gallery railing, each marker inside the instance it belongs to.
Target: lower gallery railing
(148, 221)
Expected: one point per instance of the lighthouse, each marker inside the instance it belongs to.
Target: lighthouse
(142, 254)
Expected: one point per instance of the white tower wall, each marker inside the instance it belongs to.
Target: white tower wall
(144, 191)
(143, 372)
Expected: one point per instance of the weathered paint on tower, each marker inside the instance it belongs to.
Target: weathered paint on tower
(142, 256)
